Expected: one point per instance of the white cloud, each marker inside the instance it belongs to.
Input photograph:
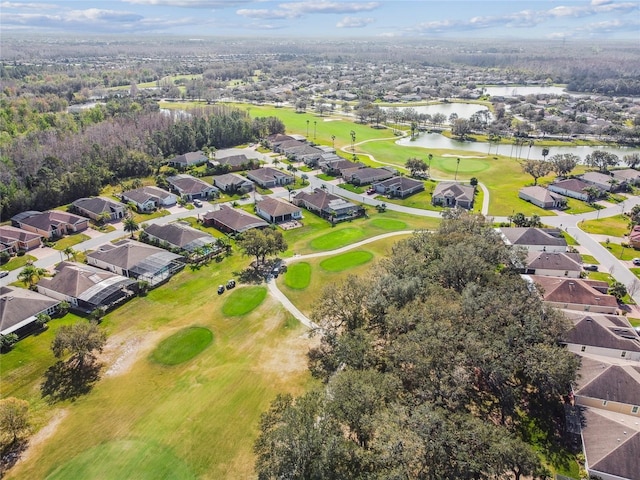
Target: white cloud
(299, 9)
(192, 3)
(27, 6)
(266, 14)
(601, 2)
(354, 22)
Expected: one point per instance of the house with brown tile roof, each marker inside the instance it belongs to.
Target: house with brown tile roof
(233, 183)
(615, 388)
(20, 307)
(268, 177)
(603, 335)
(336, 166)
(276, 210)
(542, 197)
(50, 224)
(634, 237)
(366, 176)
(178, 236)
(453, 194)
(86, 288)
(15, 239)
(553, 264)
(534, 239)
(326, 204)
(232, 220)
(189, 187)
(575, 294)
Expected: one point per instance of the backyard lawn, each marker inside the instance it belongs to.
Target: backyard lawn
(617, 226)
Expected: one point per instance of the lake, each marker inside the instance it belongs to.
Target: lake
(437, 141)
(463, 110)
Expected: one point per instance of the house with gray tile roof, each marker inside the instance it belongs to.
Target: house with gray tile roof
(534, 239)
(541, 197)
(100, 208)
(602, 181)
(188, 160)
(189, 187)
(20, 307)
(400, 187)
(233, 183)
(86, 288)
(178, 236)
(268, 177)
(326, 204)
(366, 175)
(571, 187)
(626, 175)
(553, 264)
(453, 194)
(137, 260)
(148, 199)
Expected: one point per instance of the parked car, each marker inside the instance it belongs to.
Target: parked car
(231, 284)
(3, 273)
(197, 203)
(591, 268)
(636, 261)
(220, 289)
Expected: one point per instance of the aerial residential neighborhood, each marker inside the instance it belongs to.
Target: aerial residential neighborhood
(303, 240)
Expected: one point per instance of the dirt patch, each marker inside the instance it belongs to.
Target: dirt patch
(122, 352)
(43, 434)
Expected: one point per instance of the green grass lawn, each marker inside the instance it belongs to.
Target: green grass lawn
(575, 207)
(352, 188)
(572, 242)
(182, 346)
(298, 276)
(337, 238)
(18, 262)
(196, 420)
(140, 218)
(635, 322)
(589, 259)
(601, 276)
(620, 252)
(388, 224)
(70, 241)
(243, 300)
(346, 261)
(617, 226)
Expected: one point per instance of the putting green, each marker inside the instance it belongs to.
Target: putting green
(298, 276)
(388, 224)
(243, 300)
(124, 459)
(346, 261)
(182, 346)
(336, 239)
(467, 165)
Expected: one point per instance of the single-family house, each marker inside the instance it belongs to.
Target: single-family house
(178, 236)
(542, 197)
(234, 162)
(148, 199)
(453, 194)
(576, 294)
(232, 220)
(303, 153)
(602, 335)
(571, 187)
(280, 147)
(189, 187)
(602, 181)
(400, 187)
(268, 177)
(326, 157)
(553, 264)
(15, 239)
(86, 288)
(335, 167)
(276, 139)
(534, 239)
(100, 209)
(233, 183)
(634, 237)
(20, 307)
(366, 176)
(190, 159)
(136, 260)
(276, 210)
(50, 224)
(326, 204)
(627, 175)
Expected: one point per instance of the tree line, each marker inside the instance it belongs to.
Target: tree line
(435, 366)
(46, 168)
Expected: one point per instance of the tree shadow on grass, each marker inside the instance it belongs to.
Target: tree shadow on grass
(10, 454)
(68, 380)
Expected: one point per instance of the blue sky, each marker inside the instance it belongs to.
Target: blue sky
(455, 19)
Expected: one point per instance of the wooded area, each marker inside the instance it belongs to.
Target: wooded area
(438, 365)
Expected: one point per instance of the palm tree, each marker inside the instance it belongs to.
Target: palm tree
(30, 275)
(70, 252)
(457, 165)
(130, 226)
(545, 152)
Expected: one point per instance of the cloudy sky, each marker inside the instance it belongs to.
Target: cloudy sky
(615, 19)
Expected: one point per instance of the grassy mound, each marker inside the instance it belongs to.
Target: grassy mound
(124, 459)
(298, 276)
(182, 346)
(336, 239)
(388, 224)
(346, 261)
(243, 300)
